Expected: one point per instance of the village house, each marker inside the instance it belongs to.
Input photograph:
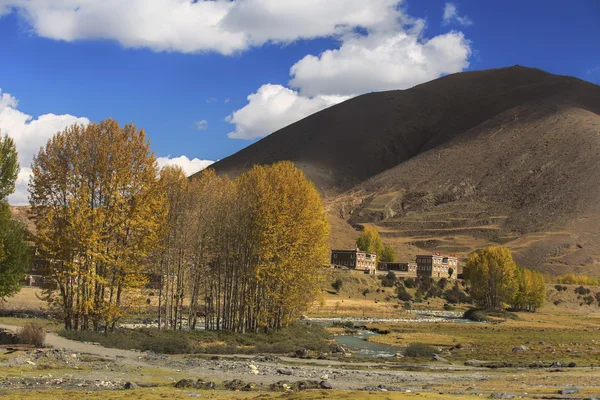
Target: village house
(354, 259)
(404, 270)
(437, 266)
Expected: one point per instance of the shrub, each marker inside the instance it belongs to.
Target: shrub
(456, 296)
(577, 280)
(389, 280)
(410, 283)
(419, 350)
(582, 291)
(475, 314)
(442, 283)
(434, 291)
(449, 307)
(337, 285)
(589, 299)
(558, 287)
(32, 333)
(403, 294)
(365, 292)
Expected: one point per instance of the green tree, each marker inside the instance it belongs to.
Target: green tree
(9, 167)
(14, 251)
(492, 275)
(387, 254)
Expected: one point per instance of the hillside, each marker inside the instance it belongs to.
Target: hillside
(506, 156)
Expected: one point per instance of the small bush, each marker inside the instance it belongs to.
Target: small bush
(403, 294)
(442, 283)
(449, 307)
(478, 315)
(589, 299)
(582, 291)
(577, 280)
(365, 292)
(433, 291)
(389, 280)
(558, 287)
(337, 285)
(32, 333)
(419, 350)
(410, 283)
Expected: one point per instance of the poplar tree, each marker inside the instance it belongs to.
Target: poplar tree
(492, 274)
(96, 196)
(14, 250)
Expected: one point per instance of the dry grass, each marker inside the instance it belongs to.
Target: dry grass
(171, 393)
(549, 337)
(26, 299)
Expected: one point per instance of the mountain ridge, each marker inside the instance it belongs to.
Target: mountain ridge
(505, 156)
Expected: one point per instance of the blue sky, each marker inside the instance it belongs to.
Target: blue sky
(184, 70)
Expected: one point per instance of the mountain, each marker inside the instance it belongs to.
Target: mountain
(506, 156)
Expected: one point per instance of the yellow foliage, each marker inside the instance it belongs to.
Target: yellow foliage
(98, 206)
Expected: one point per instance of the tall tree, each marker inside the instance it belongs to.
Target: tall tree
(387, 254)
(492, 274)
(96, 194)
(14, 250)
(370, 241)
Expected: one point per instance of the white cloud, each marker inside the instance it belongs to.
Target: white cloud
(187, 26)
(451, 15)
(189, 166)
(380, 61)
(393, 55)
(202, 125)
(29, 135)
(273, 107)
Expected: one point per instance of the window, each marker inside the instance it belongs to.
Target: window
(352, 263)
(334, 255)
(352, 256)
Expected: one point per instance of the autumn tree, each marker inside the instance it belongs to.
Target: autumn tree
(14, 250)
(370, 241)
(531, 290)
(99, 208)
(387, 254)
(491, 272)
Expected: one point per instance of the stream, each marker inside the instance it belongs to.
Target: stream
(360, 347)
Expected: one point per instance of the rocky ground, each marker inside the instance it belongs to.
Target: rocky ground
(75, 366)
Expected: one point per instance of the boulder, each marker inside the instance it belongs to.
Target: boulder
(325, 385)
(284, 372)
(571, 390)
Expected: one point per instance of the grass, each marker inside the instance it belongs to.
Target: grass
(287, 340)
(47, 324)
(549, 337)
(477, 315)
(171, 393)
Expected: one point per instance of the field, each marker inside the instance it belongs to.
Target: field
(535, 355)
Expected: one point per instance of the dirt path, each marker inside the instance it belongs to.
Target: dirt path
(52, 339)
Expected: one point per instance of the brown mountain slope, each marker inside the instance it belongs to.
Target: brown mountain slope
(507, 156)
(345, 144)
(528, 178)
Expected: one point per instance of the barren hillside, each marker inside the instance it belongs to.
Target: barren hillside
(508, 156)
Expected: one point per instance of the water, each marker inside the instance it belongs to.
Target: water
(360, 347)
